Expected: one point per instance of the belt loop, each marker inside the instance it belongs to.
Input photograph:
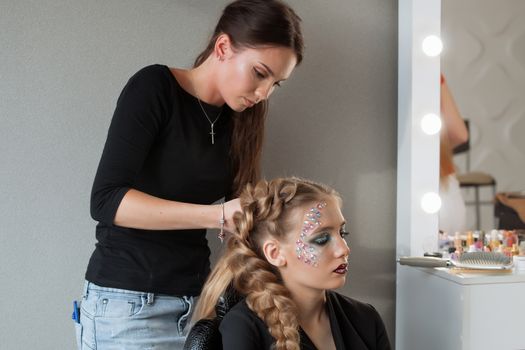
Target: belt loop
(151, 298)
(189, 302)
(85, 291)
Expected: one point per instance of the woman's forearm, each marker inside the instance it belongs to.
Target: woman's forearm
(454, 124)
(143, 211)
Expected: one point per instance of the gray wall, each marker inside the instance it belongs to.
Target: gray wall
(62, 66)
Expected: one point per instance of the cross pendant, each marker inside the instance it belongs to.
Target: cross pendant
(212, 135)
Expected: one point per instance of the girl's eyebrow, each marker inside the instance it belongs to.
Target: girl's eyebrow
(329, 228)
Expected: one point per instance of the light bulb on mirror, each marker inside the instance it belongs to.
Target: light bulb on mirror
(431, 124)
(432, 45)
(430, 202)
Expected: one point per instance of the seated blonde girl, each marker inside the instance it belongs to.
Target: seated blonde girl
(287, 255)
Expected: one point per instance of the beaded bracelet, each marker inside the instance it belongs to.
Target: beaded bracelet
(221, 234)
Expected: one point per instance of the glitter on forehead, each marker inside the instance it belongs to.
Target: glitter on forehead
(305, 251)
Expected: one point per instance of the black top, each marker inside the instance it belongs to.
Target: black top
(355, 325)
(159, 143)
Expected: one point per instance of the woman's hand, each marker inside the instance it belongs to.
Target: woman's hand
(230, 208)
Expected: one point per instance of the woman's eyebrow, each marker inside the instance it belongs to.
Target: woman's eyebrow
(270, 71)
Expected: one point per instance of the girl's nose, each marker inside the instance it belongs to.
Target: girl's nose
(342, 248)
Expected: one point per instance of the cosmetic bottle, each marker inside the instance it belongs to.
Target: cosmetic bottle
(515, 251)
(480, 244)
(457, 243)
(494, 240)
(470, 239)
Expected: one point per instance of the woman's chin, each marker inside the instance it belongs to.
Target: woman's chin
(240, 108)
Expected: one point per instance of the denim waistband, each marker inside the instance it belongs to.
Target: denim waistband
(150, 297)
(92, 287)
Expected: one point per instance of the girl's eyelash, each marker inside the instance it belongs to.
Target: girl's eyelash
(322, 239)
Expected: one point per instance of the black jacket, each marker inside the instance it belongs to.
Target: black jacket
(355, 325)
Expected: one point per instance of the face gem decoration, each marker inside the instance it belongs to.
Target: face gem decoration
(305, 251)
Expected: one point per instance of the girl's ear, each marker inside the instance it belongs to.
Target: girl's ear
(272, 252)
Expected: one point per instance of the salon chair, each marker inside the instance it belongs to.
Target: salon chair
(205, 335)
(508, 217)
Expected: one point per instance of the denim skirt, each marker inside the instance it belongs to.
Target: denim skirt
(112, 318)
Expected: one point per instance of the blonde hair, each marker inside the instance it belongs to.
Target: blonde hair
(266, 211)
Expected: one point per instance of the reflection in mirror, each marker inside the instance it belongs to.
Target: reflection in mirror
(483, 62)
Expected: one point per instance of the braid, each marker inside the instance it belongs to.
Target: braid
(254, 276)
(265, 211)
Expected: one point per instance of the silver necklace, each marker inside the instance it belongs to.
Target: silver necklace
(212, 124)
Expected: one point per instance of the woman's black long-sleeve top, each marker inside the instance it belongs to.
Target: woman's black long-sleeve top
(158, 143)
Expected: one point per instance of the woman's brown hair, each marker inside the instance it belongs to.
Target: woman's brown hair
(252, 24)
(446, 164)
(267, 208)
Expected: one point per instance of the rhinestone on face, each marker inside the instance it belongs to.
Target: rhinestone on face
(306, 252)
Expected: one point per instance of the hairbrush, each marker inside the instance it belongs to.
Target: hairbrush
(472, 260)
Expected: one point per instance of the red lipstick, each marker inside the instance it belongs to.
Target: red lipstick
(342, 269)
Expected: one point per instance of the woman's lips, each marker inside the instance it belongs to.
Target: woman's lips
(249, 103)
(342, 269)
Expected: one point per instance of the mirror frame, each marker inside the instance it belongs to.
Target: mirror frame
(417, 152)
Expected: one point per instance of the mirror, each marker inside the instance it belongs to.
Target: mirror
(483, 61)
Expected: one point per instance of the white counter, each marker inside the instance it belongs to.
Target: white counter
(442, 308)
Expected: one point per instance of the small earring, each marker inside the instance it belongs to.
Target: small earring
(221, 58)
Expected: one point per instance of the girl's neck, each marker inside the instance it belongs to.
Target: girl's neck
(310, 305)
(313, 317)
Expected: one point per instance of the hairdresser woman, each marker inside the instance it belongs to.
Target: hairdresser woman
(179, 141)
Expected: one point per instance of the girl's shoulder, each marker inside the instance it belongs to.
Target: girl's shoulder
(241, 312)
(350, 305)
(242, 329)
